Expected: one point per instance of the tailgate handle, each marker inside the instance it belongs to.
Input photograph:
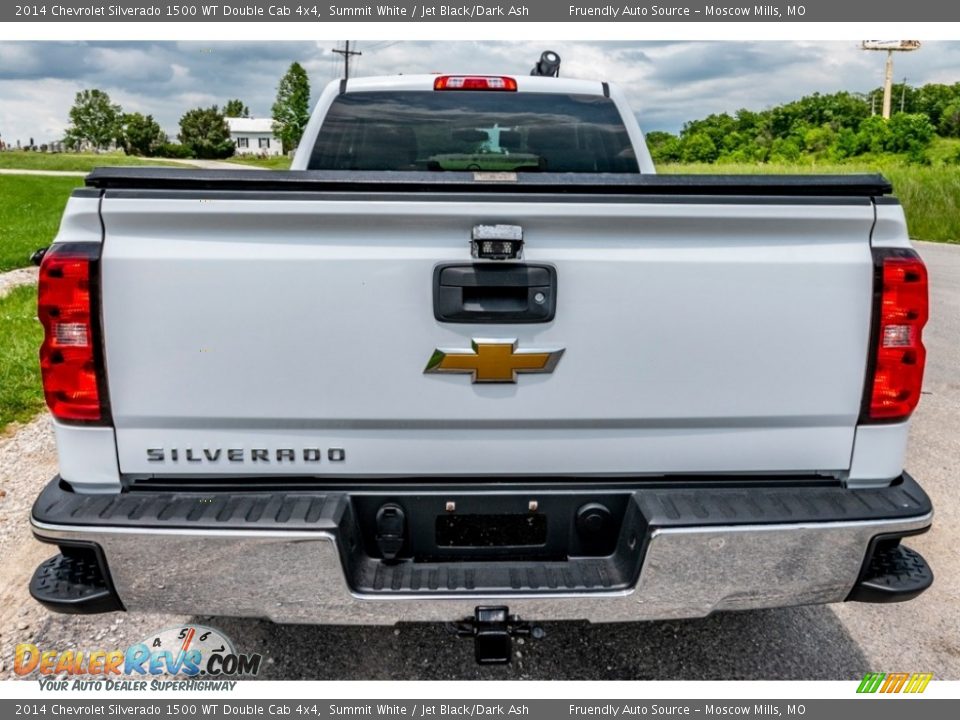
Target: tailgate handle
(488, 293)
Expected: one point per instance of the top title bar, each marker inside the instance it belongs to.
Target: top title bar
(529, 11)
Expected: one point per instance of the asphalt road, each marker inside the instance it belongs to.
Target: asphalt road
(827, 642)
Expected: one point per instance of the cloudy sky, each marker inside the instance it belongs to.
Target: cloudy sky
(667, 82)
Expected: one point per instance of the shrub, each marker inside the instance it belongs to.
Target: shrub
(785, 150)
(872, 136)
(950, 120)
(699, 148)
(909, 132)
(663, 146)
(173, 150)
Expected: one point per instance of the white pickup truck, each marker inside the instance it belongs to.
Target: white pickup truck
(472, 357)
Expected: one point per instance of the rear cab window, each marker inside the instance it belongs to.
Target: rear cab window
(473, 131)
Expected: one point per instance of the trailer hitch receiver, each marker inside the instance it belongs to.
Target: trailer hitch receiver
(493, 630)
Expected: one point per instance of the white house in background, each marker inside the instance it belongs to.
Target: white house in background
(253, 136)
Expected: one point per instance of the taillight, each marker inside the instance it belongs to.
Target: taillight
(474, 82)
(897, 354)
(71, 357)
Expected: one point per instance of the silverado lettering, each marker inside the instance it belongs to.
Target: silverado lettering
(196, 455)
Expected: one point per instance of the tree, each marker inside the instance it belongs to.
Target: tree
(236, 108)
(664, 147)
(873, 135)
(785, 150)
(933, 99)
(140, 134)
(205, 133)
(950, 120)
(846, 145)
(698, 147)
(716, 127)
(819, 139)
(93, 119)
(291, 111)
(909, 132)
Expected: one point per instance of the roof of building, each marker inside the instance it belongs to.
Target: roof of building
(250, 125)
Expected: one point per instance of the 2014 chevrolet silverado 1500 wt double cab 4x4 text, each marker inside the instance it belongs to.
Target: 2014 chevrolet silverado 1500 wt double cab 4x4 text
(473, 354)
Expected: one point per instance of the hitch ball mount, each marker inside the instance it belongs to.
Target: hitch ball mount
(493, 630)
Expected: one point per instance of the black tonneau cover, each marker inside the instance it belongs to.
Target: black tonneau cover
(148, 178)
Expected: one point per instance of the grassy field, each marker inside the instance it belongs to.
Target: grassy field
(84, 162)
(930, 195)
(21, 396)
(280, 162)
(30, 210)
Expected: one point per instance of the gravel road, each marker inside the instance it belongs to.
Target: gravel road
(832, 642)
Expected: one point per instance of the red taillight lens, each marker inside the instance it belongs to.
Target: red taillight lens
(475, 82)
(70, 355)
(899, 355)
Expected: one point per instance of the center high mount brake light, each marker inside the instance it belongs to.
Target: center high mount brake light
(475, 82)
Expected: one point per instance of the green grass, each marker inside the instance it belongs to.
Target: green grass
(84, 162)
(930, 195)
(279, 162)
(931, 200)
(30, 210)
(21, 394)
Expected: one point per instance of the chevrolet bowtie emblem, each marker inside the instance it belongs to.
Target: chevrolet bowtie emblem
(493, 361)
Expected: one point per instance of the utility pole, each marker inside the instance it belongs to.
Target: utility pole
(890, 47)
(903, 94)
(346, 59)
(887, 84)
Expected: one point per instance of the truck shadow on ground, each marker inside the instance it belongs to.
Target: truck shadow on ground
(807, 643)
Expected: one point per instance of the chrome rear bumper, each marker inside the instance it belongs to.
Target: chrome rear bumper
(299, 575)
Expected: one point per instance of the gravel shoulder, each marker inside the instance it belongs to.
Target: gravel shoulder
(825, 642)
(15, 278)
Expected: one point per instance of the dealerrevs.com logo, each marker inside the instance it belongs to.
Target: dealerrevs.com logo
(186, 657)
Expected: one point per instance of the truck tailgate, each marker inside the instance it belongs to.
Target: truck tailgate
(722, 334)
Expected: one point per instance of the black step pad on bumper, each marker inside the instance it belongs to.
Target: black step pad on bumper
(892, 574)
(74, 582)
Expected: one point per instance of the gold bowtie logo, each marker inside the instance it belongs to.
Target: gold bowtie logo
(493, 361)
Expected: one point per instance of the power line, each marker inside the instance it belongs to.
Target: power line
(383, 45)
